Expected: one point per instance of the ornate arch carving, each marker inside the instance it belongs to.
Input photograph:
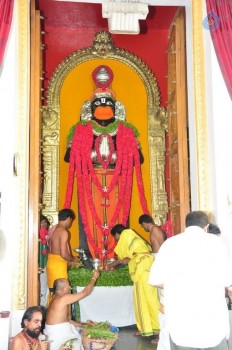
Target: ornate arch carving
(103, 47)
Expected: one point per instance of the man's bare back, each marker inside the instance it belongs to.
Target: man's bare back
(157, 236)
(59, 242)
(59, 251)
(57, 311)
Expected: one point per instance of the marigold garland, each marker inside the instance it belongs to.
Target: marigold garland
(81, 163)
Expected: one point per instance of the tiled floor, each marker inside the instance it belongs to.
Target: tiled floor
(127, 341)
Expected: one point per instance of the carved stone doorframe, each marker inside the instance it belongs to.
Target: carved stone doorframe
(157, 123)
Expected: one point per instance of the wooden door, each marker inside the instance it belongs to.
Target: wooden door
(34, 158)
(178, 127)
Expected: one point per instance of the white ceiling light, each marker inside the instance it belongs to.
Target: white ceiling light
(123, 16)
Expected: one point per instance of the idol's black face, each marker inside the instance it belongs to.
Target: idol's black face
(103, 101)
(103, 110)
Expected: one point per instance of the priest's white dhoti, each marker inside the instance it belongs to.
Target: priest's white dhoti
(62, 333)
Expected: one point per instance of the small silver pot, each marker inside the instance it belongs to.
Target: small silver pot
(95, 263)
(109, 261)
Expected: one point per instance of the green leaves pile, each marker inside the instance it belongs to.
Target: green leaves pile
(100, 330)
(118, 277)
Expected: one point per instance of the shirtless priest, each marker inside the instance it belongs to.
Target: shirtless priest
(157, 236)
(58, 327)
(28, 338)
(59, 251)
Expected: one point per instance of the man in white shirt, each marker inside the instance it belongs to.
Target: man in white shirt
(194, 269)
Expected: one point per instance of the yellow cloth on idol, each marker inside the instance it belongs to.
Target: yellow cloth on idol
(146, 301)
(56, 268)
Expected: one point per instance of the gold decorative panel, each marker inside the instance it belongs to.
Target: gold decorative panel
(203, 190)
(19, 286)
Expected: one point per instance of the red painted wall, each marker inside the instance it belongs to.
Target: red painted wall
(151, 48)
(72, 26)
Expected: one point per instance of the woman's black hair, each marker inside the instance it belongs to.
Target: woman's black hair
(42, 217)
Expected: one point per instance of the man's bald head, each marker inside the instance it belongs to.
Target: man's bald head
(59, 284)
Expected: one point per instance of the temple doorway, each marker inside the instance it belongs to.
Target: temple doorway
(176, 182)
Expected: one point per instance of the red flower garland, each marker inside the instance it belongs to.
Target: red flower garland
(167, 227)
(43, 235)
(80, 161)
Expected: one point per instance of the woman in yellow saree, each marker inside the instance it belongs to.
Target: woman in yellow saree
(131, 249)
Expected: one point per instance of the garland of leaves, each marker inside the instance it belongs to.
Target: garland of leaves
(111, 128)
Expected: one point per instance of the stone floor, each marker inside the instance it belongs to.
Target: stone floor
(127, 341)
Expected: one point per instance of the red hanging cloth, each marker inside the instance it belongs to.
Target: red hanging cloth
(219, 15)
(6, 10)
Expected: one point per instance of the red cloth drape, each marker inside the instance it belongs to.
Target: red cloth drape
(6, 9)
(220, 25)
